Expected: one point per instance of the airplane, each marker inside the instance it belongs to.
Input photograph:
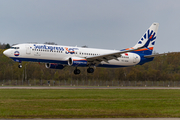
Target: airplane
(58, 56)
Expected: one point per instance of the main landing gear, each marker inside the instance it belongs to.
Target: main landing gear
(77, 71)
(89, 70)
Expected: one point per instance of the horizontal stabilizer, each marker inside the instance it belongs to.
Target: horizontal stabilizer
(151, 56)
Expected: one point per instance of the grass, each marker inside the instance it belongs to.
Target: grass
(88, 103)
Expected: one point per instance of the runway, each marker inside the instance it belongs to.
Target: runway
(105, 119)
(83, 87)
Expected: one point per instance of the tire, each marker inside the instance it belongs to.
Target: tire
(19, 66)
(77, 71)
(90, 70)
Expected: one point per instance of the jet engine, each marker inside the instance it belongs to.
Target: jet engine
(77, 61)
(54, 66)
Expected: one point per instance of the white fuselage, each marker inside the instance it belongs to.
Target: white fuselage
(61, 54)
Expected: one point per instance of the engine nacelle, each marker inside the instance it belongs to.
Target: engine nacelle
(77, 61)
(54, 66)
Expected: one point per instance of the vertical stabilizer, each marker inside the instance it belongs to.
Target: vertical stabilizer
(148, 39)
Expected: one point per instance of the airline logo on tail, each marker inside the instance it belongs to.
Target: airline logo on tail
(150, 36)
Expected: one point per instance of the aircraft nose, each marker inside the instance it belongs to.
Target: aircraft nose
(6, 53)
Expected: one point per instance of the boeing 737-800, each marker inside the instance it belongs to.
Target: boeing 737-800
(58, 56)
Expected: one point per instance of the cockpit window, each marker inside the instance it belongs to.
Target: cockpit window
(14, 47)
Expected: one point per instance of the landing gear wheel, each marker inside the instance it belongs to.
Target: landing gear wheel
(77, 71)
(90, 70)
(19, 66)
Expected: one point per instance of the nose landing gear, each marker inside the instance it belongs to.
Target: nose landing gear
(20, 65)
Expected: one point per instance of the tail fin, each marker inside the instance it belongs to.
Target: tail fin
(147, 41)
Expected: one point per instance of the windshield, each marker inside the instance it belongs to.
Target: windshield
(14, 47)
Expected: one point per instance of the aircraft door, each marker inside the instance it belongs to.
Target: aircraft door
(12, 51)
(28, 50)
(135, 58)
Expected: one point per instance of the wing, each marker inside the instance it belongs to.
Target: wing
(107, 57)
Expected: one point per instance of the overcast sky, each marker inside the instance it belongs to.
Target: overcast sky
(107, 24)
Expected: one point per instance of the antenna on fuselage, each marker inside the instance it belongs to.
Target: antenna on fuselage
(85, 46)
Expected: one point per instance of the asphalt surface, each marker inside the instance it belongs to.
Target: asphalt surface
(105, 119)
(79, 87)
